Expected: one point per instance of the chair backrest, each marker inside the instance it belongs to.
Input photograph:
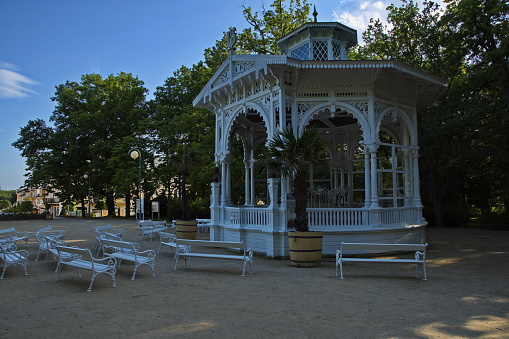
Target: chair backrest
(99, 229)
(170, 236)
(45, 229)
(75, 253)
(120, 245)
(8, 230)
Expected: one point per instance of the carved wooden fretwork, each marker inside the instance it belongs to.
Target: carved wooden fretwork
(243, 67)
(312, 94)
(362, 106)
(264, 103)
(351, 94)
(223, 78)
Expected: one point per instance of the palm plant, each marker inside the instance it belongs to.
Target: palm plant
(293, 155)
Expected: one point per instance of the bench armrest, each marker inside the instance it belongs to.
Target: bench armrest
(111, 261)
(149, 253)
(21, 234)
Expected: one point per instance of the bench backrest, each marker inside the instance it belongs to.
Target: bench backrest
(169, 236)
(76, 252)
(120, 245)
(8, 230)
(144, 223)
(99, 229)
(382, 247)
(206, 243)
(45, 229)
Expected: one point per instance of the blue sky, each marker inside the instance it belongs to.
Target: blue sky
(45, 43)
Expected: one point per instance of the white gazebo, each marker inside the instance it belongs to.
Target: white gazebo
(366, 110)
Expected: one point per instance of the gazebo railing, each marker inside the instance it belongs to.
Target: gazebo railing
(401, 215)
(324, 218)
(334, 217)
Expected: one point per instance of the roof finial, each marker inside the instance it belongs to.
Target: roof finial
(231, 39)
(315, 13)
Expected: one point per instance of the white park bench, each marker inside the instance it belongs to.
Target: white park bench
(49, 243)
(104, 235)
(194, 248)
(130, 251)
(151, 228)
(170, 240)
(42, 241)
(11, 235)
(81, 258)
(419, 254)
(99, 230)
(10, 255)
(48, 230)
(203, 225)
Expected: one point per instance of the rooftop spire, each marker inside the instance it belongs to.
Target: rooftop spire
(315, 13)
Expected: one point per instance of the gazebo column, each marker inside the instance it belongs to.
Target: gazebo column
(416, 186)
(228, 183)
(252, 182)
(247, 183)
(223, 183)
(367, 178)
(373, 175)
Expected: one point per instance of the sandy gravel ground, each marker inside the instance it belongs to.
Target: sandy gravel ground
(466, 295)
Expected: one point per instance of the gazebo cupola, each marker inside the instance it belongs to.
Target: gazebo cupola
(319, 41)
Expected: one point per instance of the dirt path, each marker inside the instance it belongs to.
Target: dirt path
(466, 295)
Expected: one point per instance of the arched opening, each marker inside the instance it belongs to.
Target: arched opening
(394, 163)
(248, 165)
(339, 181)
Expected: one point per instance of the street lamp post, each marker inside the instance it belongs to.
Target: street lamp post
(136, 154)
(86, 176)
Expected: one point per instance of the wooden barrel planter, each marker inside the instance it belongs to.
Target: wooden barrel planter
(186, 229)
(305, 248)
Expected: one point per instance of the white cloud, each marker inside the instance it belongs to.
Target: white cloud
(13, 84)
(357, 14)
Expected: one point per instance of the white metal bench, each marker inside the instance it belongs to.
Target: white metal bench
(203, 225)
(49, 244)
(191, 248)
(81, 258)
(130, 251)
(170, 240)
(11, 235)
(42, 241)
(98, 230)
(48, 230)
(10, 255)
(151, 228)
(419, 254)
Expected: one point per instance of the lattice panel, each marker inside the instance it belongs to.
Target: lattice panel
(320, 50)
(301, 53)
(336, 51)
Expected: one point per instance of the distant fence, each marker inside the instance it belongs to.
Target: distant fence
(11, 217)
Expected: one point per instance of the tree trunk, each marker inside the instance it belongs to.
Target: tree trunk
(83, 208)
(185, 208)
(300, 190)
(128, 205)
(110, 202)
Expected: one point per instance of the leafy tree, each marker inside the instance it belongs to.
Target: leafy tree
(91, 119)
(266, 27)
(463, 141)
(7, 198)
